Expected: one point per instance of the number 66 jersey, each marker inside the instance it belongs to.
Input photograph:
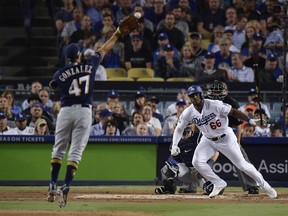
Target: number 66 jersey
(212, 121)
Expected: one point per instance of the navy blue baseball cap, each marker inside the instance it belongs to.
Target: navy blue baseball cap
(272, 57)
(252, 91)
(3, 115)
(209, 55)
(105, 112)
(182, 90)
(37, 104)
(113, 93)
(162, 36)
(72, 51)
(140, 94)
(257, 36)
(196, 35)
(20, 117)
(168, 47)
(180, 102)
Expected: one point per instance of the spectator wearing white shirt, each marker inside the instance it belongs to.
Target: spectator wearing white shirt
(151, 121)
(240, 73)
(21, 125)
(4, 128)
(239, 35)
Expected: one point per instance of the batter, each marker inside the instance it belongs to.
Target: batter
(211, 118)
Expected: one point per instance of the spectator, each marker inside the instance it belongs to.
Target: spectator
(251, 11)
(272, 72)
(125, 9)
(36, 112)
(171, 121)
(101, 74)
(72, 26)
(147, 23)
(62, 17)
(107, 21)
(142, 130)
(253, 98)
(264, 129)
(97, 110)
(137, 118)
(176, 37)
(231, 18)
(139, 56)
(45, 98)
(228, 34)
(156, 13)
(168, 66)
(21, 125)
(92, 9)
(209, 72)
(78, 35)
(196, 44)
(104, 116)
(280, 120)
(33, 98)
(179, 23)
(218, 32)
(150, 120)
(35, 88)
(153, 101)
(223, 56)
(41, 127)
(210, 17)
(189, 63)
(4, 128)
(249, 110)
(256, 45)
(15, 109)
(181, 95)
(276, 130)
(145, 33)
(110, 128)
(162, 41)
(240, 72)
(140, 100)
(119, 115)
(4, 108)
(249, 32)
(239, 34)
(248, 131)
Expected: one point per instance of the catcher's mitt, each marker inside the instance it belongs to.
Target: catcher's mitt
(129, 24)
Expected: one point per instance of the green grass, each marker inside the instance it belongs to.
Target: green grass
(169, 208)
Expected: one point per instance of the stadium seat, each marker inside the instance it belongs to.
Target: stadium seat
(116, 72)
(150, 79)
(180, 79)
(120, 79)
(136, 73)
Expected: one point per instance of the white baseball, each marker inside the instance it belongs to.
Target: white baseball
(137, 15)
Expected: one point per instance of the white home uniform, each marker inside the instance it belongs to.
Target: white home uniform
(212, 121)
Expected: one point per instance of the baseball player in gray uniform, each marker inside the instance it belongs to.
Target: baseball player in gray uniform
(75, 81)
(211, 118)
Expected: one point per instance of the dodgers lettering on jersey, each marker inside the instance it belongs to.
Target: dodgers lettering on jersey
(76, 81)
(213, 119)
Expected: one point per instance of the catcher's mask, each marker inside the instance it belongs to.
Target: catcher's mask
(217, 90)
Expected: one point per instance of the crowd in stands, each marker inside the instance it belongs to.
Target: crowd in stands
(201, 39)
(38, 114)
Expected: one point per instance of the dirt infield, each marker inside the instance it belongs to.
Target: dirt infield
(148, 196)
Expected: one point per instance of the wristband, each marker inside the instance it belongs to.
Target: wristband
(248, 119)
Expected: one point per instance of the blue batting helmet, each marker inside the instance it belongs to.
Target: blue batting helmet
(195, 89)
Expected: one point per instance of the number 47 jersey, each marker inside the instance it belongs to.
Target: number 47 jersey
(212, 121)
(76, 81)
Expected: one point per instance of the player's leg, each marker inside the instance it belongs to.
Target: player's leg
(229, 147)
(189, 179)
(168, 174)
(203, 152)
(246, 182)
(62, 138)
(82, 121)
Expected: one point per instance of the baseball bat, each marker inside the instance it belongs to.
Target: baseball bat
(257, 84)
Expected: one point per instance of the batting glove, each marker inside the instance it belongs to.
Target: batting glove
(252, 122)
(175, 150)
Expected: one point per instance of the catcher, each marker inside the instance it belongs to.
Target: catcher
(180, 168)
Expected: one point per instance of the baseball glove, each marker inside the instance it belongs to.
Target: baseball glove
(129, 24)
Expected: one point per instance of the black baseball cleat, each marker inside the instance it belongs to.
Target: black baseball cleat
(163, 190)
(253, 190)
(63, 194)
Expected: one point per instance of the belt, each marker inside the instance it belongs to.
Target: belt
(79, 105)
(217, 138)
